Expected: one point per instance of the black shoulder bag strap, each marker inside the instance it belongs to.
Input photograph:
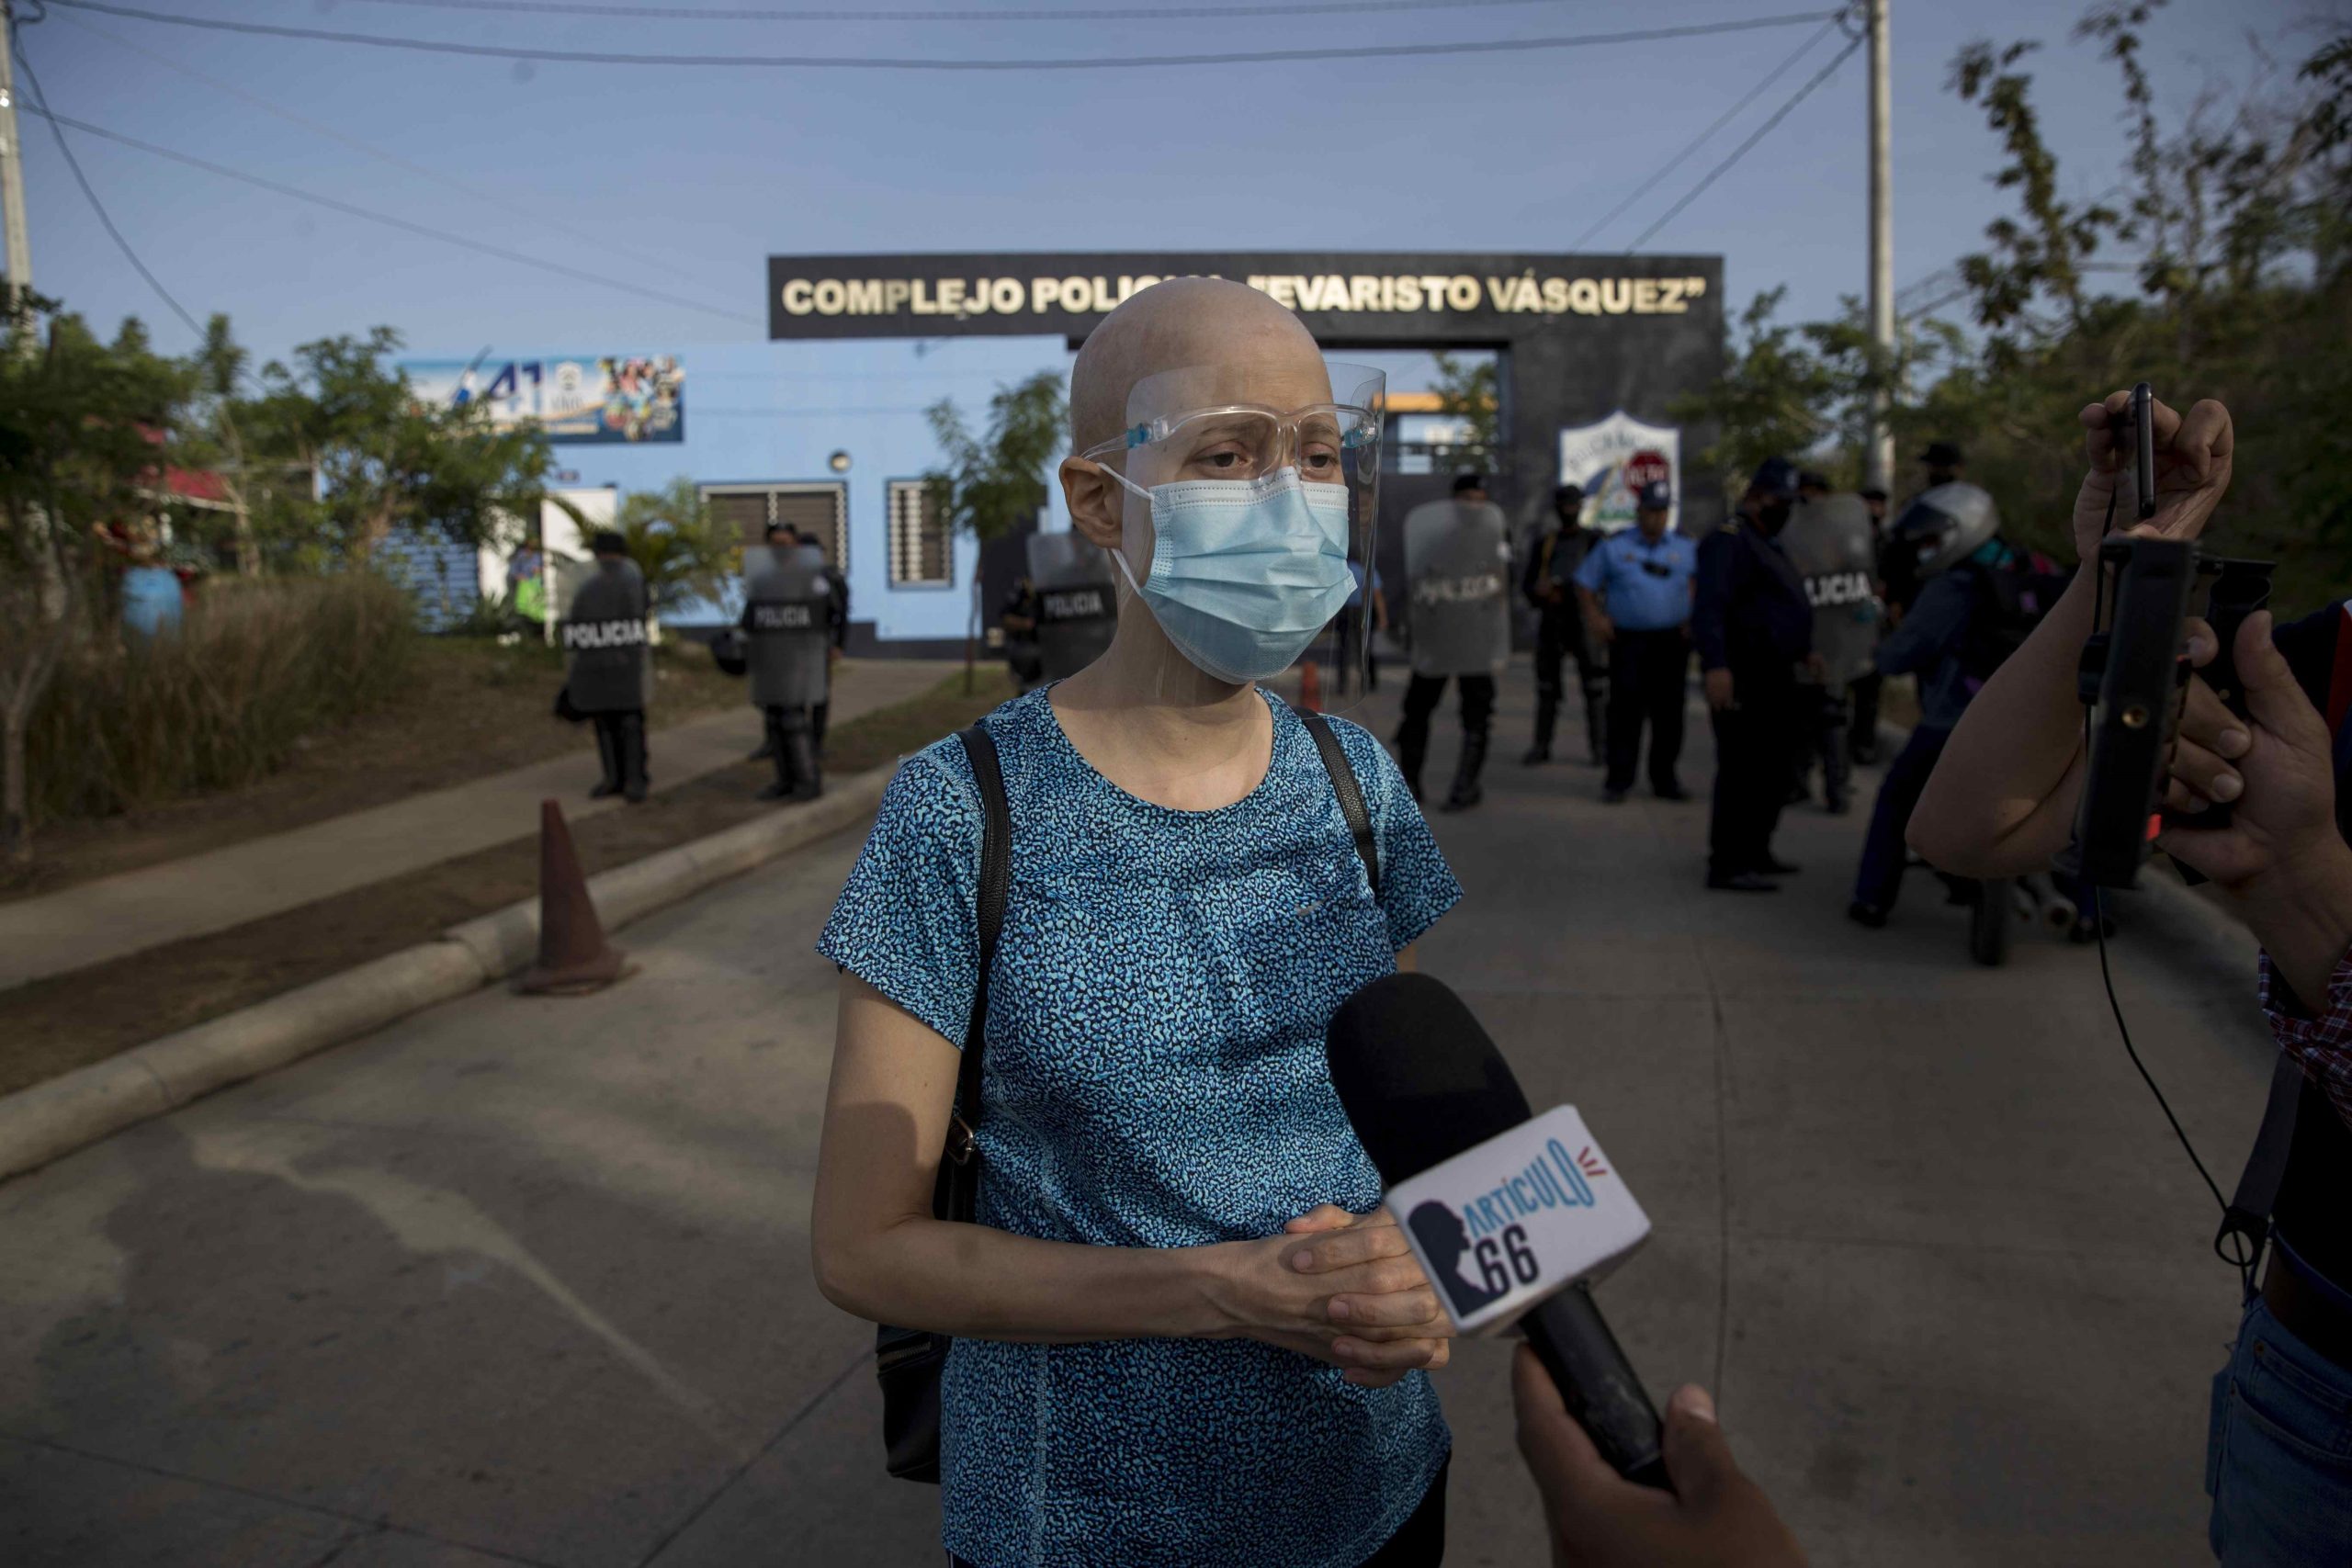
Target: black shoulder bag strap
(2246, 1223)
(996, 870)
(908, 1361)
(1351, 793)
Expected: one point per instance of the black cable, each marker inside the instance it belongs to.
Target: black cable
(1100, 62)
(388, 219)
(603, 241)
(1700, 140)
(1742, 149)
(2099, 916)
(56, 128)
(787, 14)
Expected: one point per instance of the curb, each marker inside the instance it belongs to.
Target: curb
(50, 1120)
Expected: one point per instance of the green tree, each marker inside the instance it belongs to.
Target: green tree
(86, 428)
(994, 483)
(684, 552)
(1471, 392)
(385, 460)
(2230, 235)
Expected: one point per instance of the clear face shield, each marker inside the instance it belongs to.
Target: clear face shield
(1251, 495)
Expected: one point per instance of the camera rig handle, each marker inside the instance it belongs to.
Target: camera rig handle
(2135, 677)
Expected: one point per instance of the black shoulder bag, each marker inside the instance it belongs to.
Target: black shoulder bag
(908, 1361)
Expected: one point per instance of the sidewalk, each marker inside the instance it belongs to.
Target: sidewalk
(117, 915)
(524, 1280)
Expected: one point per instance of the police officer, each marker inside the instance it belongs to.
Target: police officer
(786, 617)
(1980, 598)
(1835, 548)
(1635, 589)
(1457, 562)
(1549, 584)
(608, 671)
(1946, 463)
(836, 627)
(1017, 618)
(1754, 627)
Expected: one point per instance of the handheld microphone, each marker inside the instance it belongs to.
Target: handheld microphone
(1512, 1216)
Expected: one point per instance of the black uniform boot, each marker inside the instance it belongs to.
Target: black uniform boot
(608, 754)
(798, 744)
(1547, 718)
(1412, 753)
(634, 778)
(773, 748)
(1465, 792)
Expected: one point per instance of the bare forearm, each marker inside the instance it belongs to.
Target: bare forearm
(984, 1283)
(2002, 798)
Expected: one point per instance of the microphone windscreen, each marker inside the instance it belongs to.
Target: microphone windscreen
(1418, 1077)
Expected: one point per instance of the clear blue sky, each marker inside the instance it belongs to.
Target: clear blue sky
(685, 179)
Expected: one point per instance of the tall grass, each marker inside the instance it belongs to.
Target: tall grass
(222, 701)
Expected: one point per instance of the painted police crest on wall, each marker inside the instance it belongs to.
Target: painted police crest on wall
(1612, 459)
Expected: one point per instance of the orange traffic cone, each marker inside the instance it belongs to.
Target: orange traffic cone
(1310, 687)
(574, 957)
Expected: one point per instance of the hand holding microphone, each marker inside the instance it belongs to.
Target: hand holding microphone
(1512, 1217)
(1715, 1517)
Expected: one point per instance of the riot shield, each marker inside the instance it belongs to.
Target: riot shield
(1073, 592)
(1457, 587)
(786, 619)
(1834, 546)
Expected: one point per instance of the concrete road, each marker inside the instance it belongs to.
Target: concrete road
(525, 1280)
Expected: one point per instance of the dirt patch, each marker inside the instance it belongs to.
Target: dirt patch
(471, 709)
(70, 1020)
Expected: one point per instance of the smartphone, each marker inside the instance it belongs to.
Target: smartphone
(2144, 426)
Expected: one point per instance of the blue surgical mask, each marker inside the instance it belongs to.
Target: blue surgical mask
(1244, 572)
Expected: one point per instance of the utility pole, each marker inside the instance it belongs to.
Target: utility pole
(12, 162)
(1880, 459)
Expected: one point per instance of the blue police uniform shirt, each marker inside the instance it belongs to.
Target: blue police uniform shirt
(1156, 1076)
(1623, 569)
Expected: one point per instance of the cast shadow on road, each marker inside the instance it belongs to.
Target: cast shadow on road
(348, 1331)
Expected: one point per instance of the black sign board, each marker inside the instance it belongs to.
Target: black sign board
(1345, 296)
(1577, 337)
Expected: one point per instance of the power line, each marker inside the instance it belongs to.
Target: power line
(760, 14)
(56, 125)
(821, 61)
(1700, 140)
(388, 219)
(603, 241)
(1742, 149)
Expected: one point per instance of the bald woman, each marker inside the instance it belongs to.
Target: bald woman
(1184, 1331)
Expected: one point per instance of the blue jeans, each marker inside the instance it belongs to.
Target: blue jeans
(2278, 1460)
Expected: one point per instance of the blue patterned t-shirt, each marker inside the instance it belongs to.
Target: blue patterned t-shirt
(1155, 1076)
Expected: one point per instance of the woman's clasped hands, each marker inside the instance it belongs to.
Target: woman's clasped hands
(1342, 1288)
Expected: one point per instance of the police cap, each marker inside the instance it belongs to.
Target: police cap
(1656, 496)
(1775, 477)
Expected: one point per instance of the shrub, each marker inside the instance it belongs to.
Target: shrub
(221, 702)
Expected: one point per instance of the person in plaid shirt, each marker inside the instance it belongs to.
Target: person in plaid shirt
(2003, 801)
